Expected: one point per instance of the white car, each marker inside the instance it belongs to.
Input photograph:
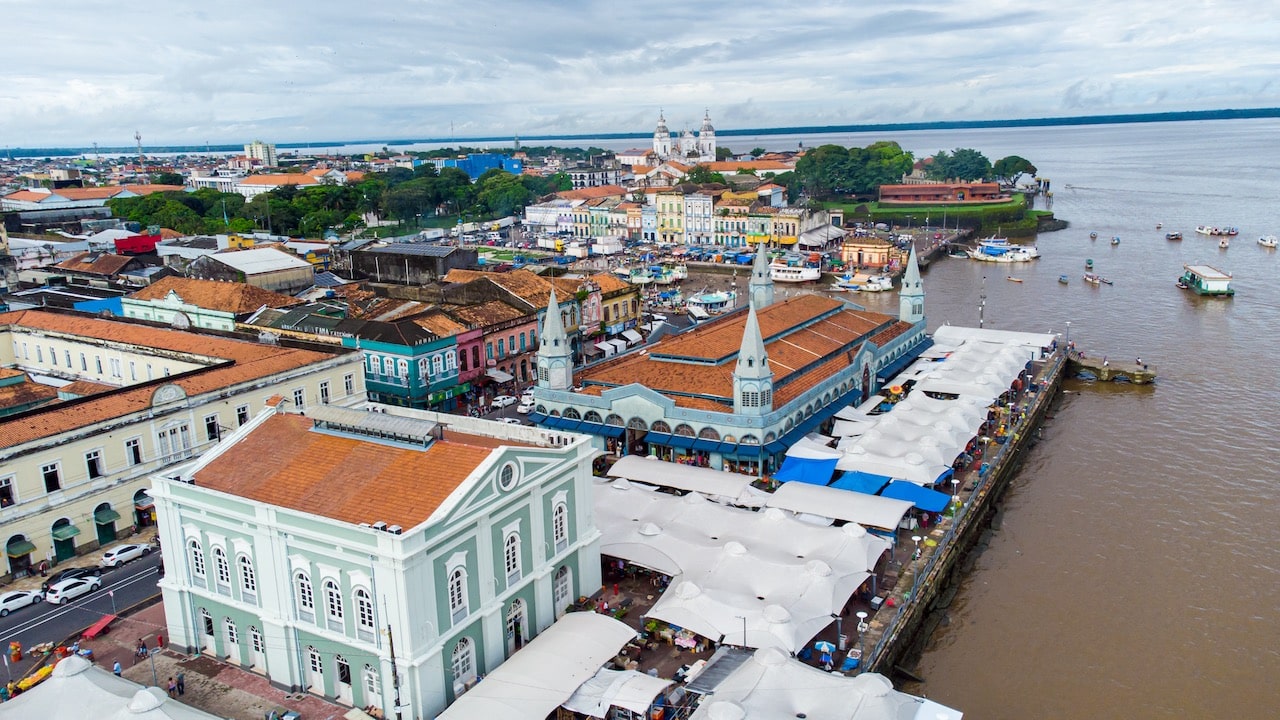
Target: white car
(68, 590)
(510, 421)
(118, 556)
(527, 393)
(525, 407)
(502, 401)
(18, 599)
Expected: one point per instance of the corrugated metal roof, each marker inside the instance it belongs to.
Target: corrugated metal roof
(260, 260)
(390, 427)
(414, 249)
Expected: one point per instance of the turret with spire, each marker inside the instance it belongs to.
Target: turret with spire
(911, 296)
(760, 289)
(662, 138)
(752, 377)
(555, 358)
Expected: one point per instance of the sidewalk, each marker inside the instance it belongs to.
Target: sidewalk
(89, 559)
(211, 685)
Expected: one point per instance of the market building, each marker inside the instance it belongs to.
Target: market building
(734, 392)
(306, 544)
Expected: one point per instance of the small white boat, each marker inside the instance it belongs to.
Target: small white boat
(1224, 243)
(793, 273)
(874, 283)
(1267, 241)
(999, 250)
(1214, 231)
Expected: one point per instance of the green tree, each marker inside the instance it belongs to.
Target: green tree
(757, 152)
(502, 193)
(826, 172)
(1009, 169)
(167, 178)
(723, 153)
(701, 174)
(964, 164)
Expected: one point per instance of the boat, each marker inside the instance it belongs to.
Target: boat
(1115, 240)
(1063, 279)
(640, 276)
(994, 249)
(1224, 243)
(1088, 264)
(1267, 241)
(1093, 236)
(1206, 280)
(1104, 281)
(710, 303)
(1011, 278)
(1092, 279)
(1159, 225)
(779, 272)
(1214, 231)
(874, 283)
(1173, 236)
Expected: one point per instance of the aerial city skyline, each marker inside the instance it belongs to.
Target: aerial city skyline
(191, 76)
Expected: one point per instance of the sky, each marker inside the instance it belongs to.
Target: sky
(83, 71)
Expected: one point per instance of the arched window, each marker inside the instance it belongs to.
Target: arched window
(451, 360)
(463, 662)
(373, 364)
(572, 414)
(709, 433)
(248, 580)
(233, 635)
(560, 526)
(222, 570)
(371, 689)
(196, 555)
(561, 588)
(388, 366)
(402, 366)
(684, 430)
(437, 365)
(458, 594)
(592, 416)
(333, 604)
(660, 426)
(316, 667)
(365, 626)
(306, 600)
(511, 556)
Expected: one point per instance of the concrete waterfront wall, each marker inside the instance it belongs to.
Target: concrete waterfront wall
(926, 585)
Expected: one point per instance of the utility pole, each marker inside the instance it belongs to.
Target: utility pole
(395, 674)
(982, 301)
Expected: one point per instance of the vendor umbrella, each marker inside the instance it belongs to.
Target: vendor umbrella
(823, 646)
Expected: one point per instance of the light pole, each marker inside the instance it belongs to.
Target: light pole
(152, 655)
(839, 632)
(955, 490)
(915, 576)
(1068, 336)
(744, 629)
(862, 643)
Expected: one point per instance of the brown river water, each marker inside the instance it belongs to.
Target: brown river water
(1137, 570)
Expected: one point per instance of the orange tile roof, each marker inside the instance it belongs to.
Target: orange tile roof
(284, 463)
(608, 282)
(734, 165)
(25, 393)
(355, 176)
(436, 321)
(592, 192)
(28, 196)
(280, 179)
(249, 361)
(168, 234)
(233, 297)
(85, 387)
(148, 189)
(101, 264)
(490, 313)
(89, 193)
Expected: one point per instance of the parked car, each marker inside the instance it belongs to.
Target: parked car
(69, 574)
(527, 393)
(502, 401)
(525, 407)
(510, 421)
(68, 590)
(118, 556)
(18, 599)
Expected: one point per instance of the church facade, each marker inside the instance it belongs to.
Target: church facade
(737, 391)
(685, 147)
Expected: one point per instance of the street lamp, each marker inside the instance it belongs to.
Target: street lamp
(955, 489)
(862, 644)
(1068, 336)
(744, 629)
(915, 576)
(839, 631)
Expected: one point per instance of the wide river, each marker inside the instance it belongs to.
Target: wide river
(1137, 571)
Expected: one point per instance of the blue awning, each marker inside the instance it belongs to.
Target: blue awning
(703, 445)
(682, 441)
(537, 418)
(923, 498)
(742, 450)
(657, 438)
(594, 428)
(815, 471)
(863, 482)
(901, 363)
(613, 431)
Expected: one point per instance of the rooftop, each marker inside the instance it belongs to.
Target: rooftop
(236, 298)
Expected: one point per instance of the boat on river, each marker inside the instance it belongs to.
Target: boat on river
(1011, 278)
(1063, 279)
(779, 272)
(999, 250)
(874, 283)
(1115, 240)
(1173, 236)
(1088, 264)
(1267, 241)
(1215, 231)
(1206, 280)
(1224, 243)
(705, 304)
(1093, 236)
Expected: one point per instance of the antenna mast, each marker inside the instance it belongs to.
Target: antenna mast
(137, 136)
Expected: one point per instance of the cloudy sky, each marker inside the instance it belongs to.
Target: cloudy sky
(230, 71)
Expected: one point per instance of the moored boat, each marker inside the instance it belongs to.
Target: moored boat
(710, 303)
(1173, 236)
(1011, 278)
(1088, 264)
(1224, 243)
(1115, 240)
(1215, 231)
(1092, 279)
(793, 273)
(994, 249)
(1267, 241)
(874, 283)
(1206, 280)
(1093, 236)
(1063, 279)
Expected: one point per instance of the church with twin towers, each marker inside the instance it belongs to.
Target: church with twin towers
(685, 147)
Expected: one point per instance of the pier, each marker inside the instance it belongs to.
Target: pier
(915, 601)
(1102, 368)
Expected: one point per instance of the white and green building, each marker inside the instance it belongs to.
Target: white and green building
(304, 545)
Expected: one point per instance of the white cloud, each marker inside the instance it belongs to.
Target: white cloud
(325, 70)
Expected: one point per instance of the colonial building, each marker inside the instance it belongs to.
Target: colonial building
(187, 302)
(737, 391)
(685, 147)
(940, 193)
(133, 400)
(304, 546)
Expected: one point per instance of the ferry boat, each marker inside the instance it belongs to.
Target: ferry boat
(1206, 280)
(1173, 236)
(1214, 231)
(793, 273)
(705, 303)
(994, 249)
(874, 283)
(1267, 241)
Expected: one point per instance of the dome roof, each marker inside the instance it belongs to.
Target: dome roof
(706, 123)
(662, 124)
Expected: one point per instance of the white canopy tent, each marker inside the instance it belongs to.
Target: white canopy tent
(732, 487)
(856, 507)
(909, 465)
(784, 576)
(546, 672)
(772, 685)
(78, 688)
(633, 336)
(499, 376)
(626, 689)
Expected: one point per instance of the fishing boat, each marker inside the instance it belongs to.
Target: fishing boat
(1159, 225)
(1092, 279)
(1206, 280)
(1115, 240)
(1063, 279)
(705, 303)
(1267, 241)
(1173, 236)
(1104, 281)
(994, 249)
(1214, 231)
(640, 276)
(1093, 236)
(1224, 243)
(1088, 264)
(779, 272)
(1011, 278)
(874, 283)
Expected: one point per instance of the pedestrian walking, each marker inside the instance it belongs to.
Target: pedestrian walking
(173, 688)
(182, 683)
(116, 668)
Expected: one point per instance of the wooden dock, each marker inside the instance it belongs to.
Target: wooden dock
(1105, 369)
